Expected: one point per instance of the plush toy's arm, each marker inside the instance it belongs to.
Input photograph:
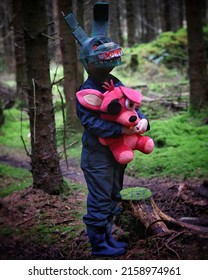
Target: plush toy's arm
(94, 124)
(142, 116)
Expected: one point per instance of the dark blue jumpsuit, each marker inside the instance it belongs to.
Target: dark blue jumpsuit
(103, 174)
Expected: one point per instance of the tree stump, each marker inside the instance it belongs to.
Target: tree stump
(140, 201)
(145, 209)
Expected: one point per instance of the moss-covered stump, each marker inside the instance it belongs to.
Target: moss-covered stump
(140, 201)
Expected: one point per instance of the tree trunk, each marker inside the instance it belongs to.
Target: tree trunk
(21, 76)
(80, 68)
(177, 12)
(165, 15)
(151, 20)
(70, 63)
(130, 22)
(197, 55)
(44, 157)
(114, 23)
(8, 37)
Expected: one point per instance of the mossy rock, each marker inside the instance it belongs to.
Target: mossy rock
(137, 193)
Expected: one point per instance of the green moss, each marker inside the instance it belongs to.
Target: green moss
(13, 179)
(14, 172)
(12, 129)
(9, 231)
(181, 149)
(137, 193)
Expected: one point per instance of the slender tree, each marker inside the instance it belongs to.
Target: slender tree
(130, 22)
(197, 55)
(7, 35)
(165, 15)
(177, 14)
(70, 63)
(150, 19)
(44, 157)
(19, 46)
(114, 27)
(80, 18)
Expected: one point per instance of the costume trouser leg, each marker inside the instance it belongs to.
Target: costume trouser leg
(104, 186)
(104, 180)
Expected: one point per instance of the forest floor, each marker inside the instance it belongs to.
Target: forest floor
(24, 210)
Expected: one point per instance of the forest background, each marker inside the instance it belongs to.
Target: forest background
(165, 57)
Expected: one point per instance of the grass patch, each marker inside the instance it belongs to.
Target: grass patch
(50, 234)
(181, 149)
(13, 179)
(12, 129)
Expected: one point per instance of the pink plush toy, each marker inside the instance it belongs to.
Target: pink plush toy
(118, 104)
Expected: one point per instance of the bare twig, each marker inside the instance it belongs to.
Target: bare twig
(34, 102)
(23, 222)
(64, 122)
(26, 150)
(68, 146)
(55, 74)
(57, 82)
(21, 134)
(51, 37)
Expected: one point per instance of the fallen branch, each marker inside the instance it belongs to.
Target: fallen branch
(165, 217)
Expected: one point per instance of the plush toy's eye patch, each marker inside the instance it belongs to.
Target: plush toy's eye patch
(130, 105)
(114, 107)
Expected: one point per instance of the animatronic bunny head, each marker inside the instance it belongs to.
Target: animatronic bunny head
(98, 49)
(116, 104)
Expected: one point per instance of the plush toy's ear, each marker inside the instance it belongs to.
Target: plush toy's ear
(90, 98)
(132, 94)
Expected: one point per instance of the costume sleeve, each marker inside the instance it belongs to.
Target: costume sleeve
(92, 122)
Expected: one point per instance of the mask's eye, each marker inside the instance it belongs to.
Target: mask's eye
(130, 105)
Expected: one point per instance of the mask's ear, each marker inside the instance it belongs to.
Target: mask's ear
(90, 98)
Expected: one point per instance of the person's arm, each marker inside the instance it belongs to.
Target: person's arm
(92, 122)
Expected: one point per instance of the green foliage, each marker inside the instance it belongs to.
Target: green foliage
(181, 149)
(161, 61)
(169, 49)
(13, 179)
(12, 129)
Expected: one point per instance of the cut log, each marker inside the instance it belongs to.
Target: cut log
(142, 209)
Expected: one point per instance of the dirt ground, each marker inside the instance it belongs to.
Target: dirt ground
(184, 201)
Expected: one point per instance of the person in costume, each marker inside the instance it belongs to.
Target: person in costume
(103, 174)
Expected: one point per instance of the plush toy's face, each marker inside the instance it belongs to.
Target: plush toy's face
(117, 104)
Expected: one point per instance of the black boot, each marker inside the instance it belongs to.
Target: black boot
(99, 245)
(109, 237)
